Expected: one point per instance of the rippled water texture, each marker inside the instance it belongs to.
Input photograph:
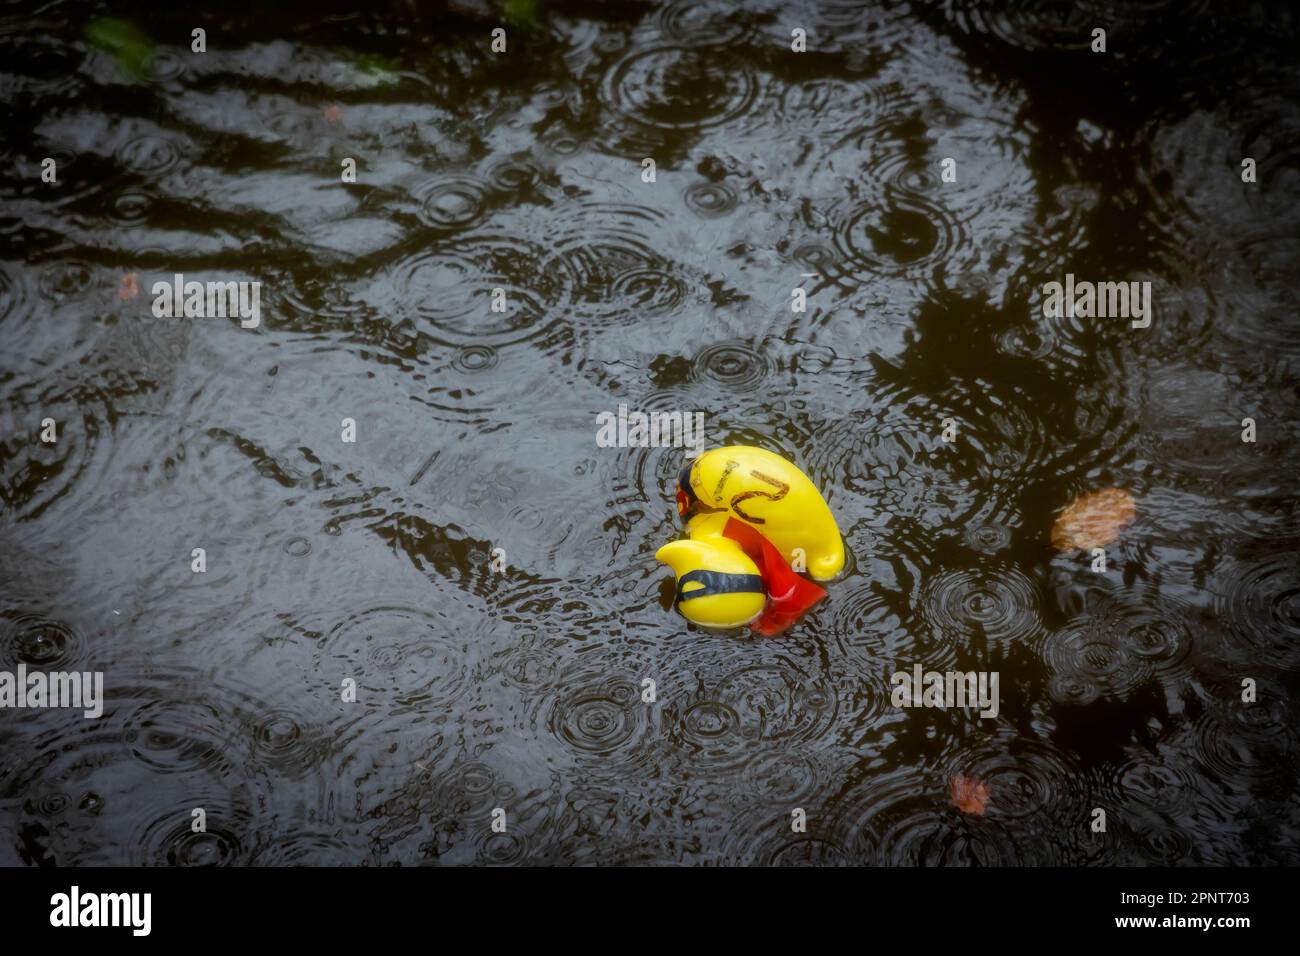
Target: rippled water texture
(522, 688)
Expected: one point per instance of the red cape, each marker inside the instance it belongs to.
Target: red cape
(789, 595)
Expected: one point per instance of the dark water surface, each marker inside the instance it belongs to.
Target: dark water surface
(476, 430)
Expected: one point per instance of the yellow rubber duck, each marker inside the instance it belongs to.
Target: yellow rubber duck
(717, 585)
(771, 495)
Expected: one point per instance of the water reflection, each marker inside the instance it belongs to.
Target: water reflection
(517, 178)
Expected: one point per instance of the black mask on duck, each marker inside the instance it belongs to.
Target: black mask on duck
(686, 499)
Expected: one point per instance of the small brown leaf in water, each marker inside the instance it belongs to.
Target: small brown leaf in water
(130, 287)
(969, 795)
(1093, 520)
(332, 113)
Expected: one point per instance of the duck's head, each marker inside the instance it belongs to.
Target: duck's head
(771, 495)
(717, 584)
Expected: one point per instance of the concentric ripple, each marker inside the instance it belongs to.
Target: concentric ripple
(449, 291)
(309, 848)
(13, 296)
(840, 106)
(284, 744)
(763, 705)
(40, 642)
(609, 249)
(815, 255)
(708, 725)
(452, 203)
(603, 720)
(1026, 341)
(132, 206)
(1261, 601)
(781, 777)
(511, 175)
(988, 538)
(150, 154)
(169, 839)
(62, 281)
(999, 607)
(1025, 777)
(501, 849)
(892, 456)
(402, 655)
(531, 670)
(176, 737)
(475, 358)
(733, 365)
(66, 476)
(1156, 781)
(469, 787)
(708, 199)
(868, 621)
(1242, 751)
(694, 22)
(1087, 659)
(163, 748)
(1035, 24)
(1153, 630)
(761, 836)
(909, 235)
(679, 88)
(907, 820)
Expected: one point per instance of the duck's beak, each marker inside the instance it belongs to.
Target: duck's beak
(684, 555)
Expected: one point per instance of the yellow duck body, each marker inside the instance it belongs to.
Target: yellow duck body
(772, 495)
(717, 584)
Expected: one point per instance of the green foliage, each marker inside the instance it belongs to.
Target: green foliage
(371, 69)
(523, 14)
(124, 42)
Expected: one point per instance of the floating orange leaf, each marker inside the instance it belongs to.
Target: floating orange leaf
(1093, 520)
(969, 795)
(332, 113)
(130, 286)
